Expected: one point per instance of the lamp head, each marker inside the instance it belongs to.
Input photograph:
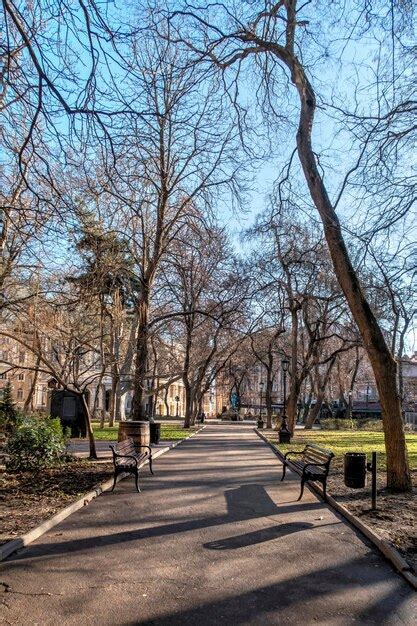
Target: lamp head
(285, 364)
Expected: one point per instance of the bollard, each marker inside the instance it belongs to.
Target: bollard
(371, 467)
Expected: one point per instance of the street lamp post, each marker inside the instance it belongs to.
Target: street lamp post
(177, 399)
(260, 420)
(284, 432)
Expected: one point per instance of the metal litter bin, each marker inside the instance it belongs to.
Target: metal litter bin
(155, 432)
(355, 470)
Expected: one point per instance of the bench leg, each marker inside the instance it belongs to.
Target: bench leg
(136, 481)
(114, 480)
(303, 480)
(324, 490)
(150, 464)
(284, 468)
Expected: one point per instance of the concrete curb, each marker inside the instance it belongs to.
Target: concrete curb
(391, 553)
(21, 542)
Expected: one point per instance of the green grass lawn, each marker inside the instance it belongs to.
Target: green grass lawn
(341, 441)
(169, 432)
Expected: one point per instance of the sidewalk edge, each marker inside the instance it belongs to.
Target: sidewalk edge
(390, 553)
(21, 542)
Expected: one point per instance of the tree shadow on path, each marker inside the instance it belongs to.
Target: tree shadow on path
(246, 502)
(257, 536)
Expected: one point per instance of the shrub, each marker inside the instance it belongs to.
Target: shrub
(333, 423)
(35, 443)
(370, 424)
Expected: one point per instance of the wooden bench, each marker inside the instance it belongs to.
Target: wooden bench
(313, 464)
(126, 458)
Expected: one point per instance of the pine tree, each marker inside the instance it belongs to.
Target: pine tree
(8, 412)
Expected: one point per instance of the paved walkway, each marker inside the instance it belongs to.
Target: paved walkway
(214, 538)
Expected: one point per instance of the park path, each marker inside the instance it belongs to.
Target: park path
(214, 538)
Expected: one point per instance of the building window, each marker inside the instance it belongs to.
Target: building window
(21, 377)
(22, 357)
(20, 394)
(3, 375)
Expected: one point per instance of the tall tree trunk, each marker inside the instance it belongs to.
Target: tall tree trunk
(121, 402)
(292, 402)
(321, 390)
(197, 404)
(268, 394)
(188, 403)
(115, 379)
(150, 405)
(166, 401)
(101, 387)
(401, 346)
(315, 410)
(295, 383)
(352, 385)
(112, 401)
(89, 428)
(96, 395)
(306, 407)
(186, 375)
(141, 366)
(382, 361)
(29, 400)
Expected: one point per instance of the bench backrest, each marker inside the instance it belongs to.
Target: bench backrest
(127, 446)
(315, 454)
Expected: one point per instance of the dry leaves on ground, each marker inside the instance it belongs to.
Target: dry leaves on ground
(28, 499)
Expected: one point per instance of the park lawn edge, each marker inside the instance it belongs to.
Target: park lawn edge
(169, 432)
(399, 563)
(12, 546)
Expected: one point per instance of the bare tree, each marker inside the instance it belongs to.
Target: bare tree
(274, 35)
(207, 297)
(64, 340)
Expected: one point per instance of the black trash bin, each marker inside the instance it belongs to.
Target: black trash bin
(355, 470)
(155, 428)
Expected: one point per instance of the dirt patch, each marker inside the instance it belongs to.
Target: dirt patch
(27, 499)
(395, 518)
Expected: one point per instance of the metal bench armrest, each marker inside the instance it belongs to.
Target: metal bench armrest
(293, 452)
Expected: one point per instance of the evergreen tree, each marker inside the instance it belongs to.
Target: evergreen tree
(8, 412)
